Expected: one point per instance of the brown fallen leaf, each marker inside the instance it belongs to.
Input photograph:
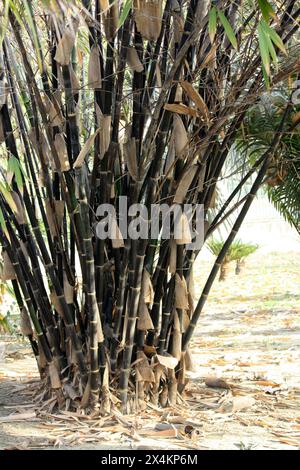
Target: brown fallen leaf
(267, 383)
(216, 382)
(172, 432)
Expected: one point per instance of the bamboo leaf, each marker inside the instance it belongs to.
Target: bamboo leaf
(264, 50)
(129, 148)
(212, 24)
(179, 135)
(94, 69)
(14, 166)
(2, 223)
(267, 10)
(148, 18)
(66, 44)
(133, 60)
(184, 184)
(180, 108)
(85, 149)
(196, 98)
(125, 12)
(274, 37)
(228, 29)
(167, 361)
(181, 293)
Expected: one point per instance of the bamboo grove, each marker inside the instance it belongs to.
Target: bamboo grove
(144, 99)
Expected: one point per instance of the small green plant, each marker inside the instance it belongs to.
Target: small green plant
(238, 252)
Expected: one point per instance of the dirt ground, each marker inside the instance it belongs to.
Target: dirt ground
(248, 336)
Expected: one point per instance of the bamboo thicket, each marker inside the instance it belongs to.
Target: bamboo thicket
(101, 100)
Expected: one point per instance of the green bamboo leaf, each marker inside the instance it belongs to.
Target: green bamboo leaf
(276, 39)
(2, 222)
(228, 29)
(264, 49)
(271, 49)
(212, 24)
(14, 166)
(267, 10)
(125, 12)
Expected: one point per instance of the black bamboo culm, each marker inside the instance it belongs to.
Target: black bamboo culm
(96, 106)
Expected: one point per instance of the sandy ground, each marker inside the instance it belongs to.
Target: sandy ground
(248, 336)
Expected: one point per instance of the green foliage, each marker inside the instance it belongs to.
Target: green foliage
(258, 132)
(213, 17)
(237, 251)
(125, 12)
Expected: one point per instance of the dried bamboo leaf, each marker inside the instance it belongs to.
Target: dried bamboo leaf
(20, 211)
(40, 144)
(144, 322)
(56, 303)
(185, 321)
(196, 98)
(68, 290)
(54, 376)
(129, 148)
(182, 381)
(180, 108)
(178, 27)
(178, 95)
(144, 368)
(53, 110)
(148, 17)
(147, 288)
(66, 44)
(181, 293)
(210, 59)
(172, 388)
(133, 60)
(182, 232)
(94, 68)
(116, 235)
(167, 361)
(176, 339)
(85, 149)
(180, 135)
(184, 184)
(110, 18)
(105, 134)
(25, 323)
(61, 148)
(188, 361)
(8, 272)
